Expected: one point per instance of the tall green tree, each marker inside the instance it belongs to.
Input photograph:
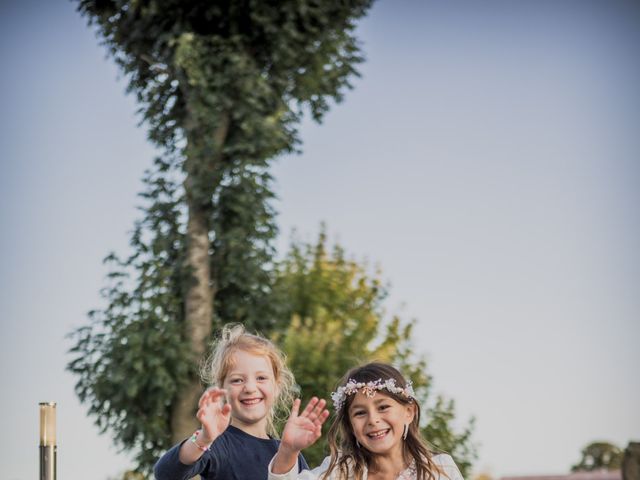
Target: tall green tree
(598, 456)
(338, 321)
(222, 87)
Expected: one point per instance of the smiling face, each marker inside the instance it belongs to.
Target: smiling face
(378, 422)
(251, 390)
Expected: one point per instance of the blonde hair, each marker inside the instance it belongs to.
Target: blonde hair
(347, 456)
(233, 338)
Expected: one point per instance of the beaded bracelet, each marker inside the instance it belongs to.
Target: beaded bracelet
(194, 440)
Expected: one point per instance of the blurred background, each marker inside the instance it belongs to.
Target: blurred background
(484, 167)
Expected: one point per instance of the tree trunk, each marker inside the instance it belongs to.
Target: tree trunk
(631, 462)
(200, 293)
(198, 319)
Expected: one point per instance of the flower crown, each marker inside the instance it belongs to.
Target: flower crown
(369, 389)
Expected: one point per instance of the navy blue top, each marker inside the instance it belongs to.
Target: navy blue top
(235, 455)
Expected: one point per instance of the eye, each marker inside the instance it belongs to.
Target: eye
(384, 407)
(358, 413)
(263, 378)
(235, 381)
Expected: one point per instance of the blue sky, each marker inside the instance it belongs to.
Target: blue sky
(487, 161)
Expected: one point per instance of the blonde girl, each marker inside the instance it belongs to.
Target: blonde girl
(250, 381)
(375, 433)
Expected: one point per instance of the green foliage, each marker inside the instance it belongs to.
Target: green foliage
(195, 65)
(130, 359)
(337, 321)
(598, 456)
(440, 431)
(242, 251)
(222, 87)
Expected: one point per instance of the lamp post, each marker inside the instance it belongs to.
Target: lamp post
(48, 441)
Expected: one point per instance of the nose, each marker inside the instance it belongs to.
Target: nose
(249, 385)
(374, 418)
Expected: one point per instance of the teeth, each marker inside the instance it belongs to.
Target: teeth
(251, 401)
(379, 434)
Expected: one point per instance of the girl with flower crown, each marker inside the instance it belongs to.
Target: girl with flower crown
(374, 435)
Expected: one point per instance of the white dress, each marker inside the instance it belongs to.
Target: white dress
(445, 462)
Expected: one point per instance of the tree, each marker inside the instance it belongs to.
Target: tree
(337, 320)
(599, 455)
(222, 87)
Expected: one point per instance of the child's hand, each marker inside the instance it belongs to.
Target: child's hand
(212, 414)
(302, 430)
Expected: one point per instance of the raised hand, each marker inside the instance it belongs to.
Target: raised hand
(212, 414)
(303, 429)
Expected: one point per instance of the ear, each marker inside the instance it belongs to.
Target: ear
(410, 411)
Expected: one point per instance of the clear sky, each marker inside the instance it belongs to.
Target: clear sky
(487, 161)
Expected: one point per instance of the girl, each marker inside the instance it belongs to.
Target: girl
(236, 439)
(374, 436)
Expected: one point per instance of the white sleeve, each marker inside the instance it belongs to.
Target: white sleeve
(303, 475)
(449, 467)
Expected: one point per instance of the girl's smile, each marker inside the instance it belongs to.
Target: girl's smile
(251, 391)
(379, 434)
(378, 422)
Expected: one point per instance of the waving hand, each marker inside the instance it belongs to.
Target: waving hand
(212, 414)
(303, 429)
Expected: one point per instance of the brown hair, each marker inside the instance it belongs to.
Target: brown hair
(346, 455)
(233, 338)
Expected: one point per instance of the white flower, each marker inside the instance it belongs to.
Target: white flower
(369, 389)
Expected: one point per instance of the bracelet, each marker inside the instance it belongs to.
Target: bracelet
(194, 440)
